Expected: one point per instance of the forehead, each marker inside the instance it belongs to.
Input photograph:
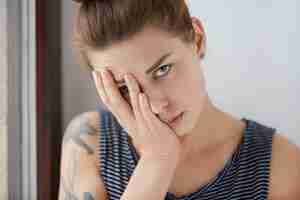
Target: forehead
(138, 53)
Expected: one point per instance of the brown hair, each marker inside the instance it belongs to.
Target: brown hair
(101, 23)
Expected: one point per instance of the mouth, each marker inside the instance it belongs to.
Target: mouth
(175, 119)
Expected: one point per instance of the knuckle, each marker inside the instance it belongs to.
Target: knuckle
(134, 89)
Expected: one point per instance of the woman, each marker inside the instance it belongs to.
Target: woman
(162, 137)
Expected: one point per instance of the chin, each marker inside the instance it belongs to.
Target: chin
(185, 126)
(188, 124)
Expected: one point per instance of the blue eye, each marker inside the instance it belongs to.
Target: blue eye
(164, 70)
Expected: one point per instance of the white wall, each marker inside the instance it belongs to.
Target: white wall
(251, 66)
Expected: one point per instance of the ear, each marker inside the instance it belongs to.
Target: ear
(200, 37)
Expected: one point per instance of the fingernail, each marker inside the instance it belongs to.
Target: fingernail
(104, 74)
(94, 75)
(127, 78)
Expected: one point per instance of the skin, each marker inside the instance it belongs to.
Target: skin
(183, 89)
(75, 134)
(171, 93)
(78, 159)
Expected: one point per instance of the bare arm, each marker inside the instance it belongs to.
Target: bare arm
(80, 179)
(150, 180)
(80, 167)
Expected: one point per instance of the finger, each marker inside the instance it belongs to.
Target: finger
(134, 91)
(151, 120)
(122, 113)
(100, 88)
(111, 89)
(113, 94)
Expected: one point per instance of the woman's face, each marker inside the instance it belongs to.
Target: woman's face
(175, 84)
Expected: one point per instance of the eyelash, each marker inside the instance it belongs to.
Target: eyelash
(170, 67)
(124, 90)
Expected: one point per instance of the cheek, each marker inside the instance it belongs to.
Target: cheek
(188, 84)
(195, 82)
(191, 90)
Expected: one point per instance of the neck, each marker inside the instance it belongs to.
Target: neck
(214, 129)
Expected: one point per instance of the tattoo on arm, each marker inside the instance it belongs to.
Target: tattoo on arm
(67, 183)
(76, 132)
(83, 128)
(88, 196)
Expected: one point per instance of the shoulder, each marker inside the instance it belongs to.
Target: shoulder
(80, 165)
(285, 169)
(82, 134)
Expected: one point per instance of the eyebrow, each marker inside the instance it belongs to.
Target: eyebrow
(152, 68)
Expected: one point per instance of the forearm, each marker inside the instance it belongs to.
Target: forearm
(149, 181)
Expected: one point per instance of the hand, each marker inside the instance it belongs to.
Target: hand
(155, 139)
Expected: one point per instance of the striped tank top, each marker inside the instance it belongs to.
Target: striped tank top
(245, 176)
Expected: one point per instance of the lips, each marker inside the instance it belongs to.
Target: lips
(174, 118)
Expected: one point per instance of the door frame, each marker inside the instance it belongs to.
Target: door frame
(21, 52)
(33, 99)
